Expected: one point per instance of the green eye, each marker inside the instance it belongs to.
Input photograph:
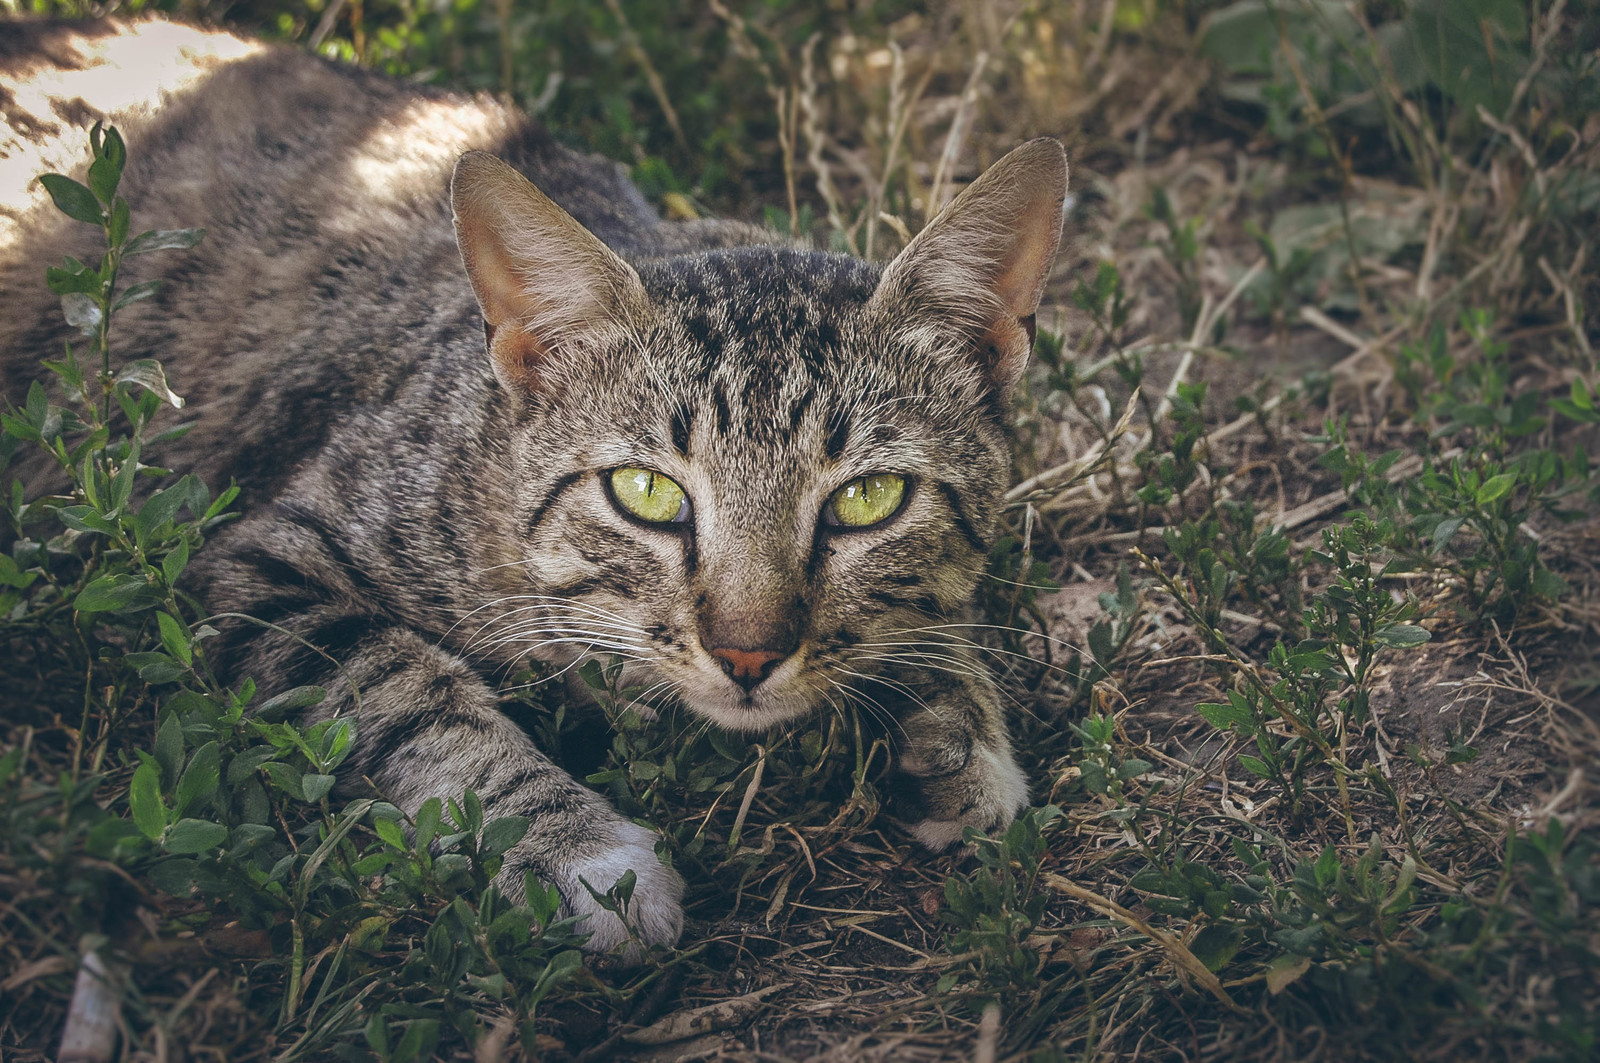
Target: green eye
(866, 500)
(649, 495)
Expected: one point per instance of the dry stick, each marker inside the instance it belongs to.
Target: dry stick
(325, 24)
(640, 56)
(988, 1035)
(1102, 36)
(1314, 317)
(814, 135)
(749, 797)
(787, 99)
(901, 104)
(1077, 466)
(1176, 950)
(1204, 322)
(507, 56)
(1563, 284)
(1324, 504)
(90, 1032)
(788, 113)
(956, 137)
(1552, 23)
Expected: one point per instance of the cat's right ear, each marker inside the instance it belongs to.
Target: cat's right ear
(979, 269)
(545, 283)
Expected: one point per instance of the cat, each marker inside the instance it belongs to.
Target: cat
(485, 405)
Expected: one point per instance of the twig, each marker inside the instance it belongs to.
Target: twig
(1569, 299)
(956, 137)
(325, 24)
(90, 1032)
(815, 138)
(1204, 323)
(1078, 466)
(749, 797)
(657, 87)
(1176, 950)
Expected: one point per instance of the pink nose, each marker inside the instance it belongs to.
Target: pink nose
(747, 667)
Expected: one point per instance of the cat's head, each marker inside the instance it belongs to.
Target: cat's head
(759, 475)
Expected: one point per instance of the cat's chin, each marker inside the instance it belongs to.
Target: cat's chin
(732, 709)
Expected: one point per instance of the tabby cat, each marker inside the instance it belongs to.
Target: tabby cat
(752, 472)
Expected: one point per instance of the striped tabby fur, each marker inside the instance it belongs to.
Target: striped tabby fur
(429, 513)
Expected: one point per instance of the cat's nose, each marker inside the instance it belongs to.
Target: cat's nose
(747, 667)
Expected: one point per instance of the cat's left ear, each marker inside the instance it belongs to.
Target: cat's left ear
(980, 267)
(544, 282)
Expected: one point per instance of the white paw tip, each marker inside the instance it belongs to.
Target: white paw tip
(1002, 793)
(656, 909)
(938, 833)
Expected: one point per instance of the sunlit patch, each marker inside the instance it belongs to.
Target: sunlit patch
(135, 69)
(412, 151)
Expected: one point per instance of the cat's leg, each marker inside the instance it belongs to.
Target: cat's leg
(953, 756)
(428, 726)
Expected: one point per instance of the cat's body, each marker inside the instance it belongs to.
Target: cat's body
(430, 515)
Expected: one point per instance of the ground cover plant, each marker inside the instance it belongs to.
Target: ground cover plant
(1297, 607)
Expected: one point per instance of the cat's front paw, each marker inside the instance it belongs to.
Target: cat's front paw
(986, 792)
(655, 912)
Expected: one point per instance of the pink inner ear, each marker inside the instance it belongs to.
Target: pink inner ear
(1026, 270)
(498, 290)
(1010, 342)
(518, 356)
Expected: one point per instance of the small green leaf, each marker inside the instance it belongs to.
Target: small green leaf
(111, 146)
(390, 832)
(82, 312)
(1495, 487)
(144, 799)
(173, 564)
(1445, 531)
(1132, 768)
(200, 778)
(1255, 766)
(160, 508)
(276, 708)
(1327, 866)
(104, 175)
(1285, 971)
(63, 280)
(503, 833)
(316, 787)
(1547, 584)
(163, 240)
(72, 198)
(286, 777)
(1228, 717)
(169, 748)
(428, 819)
(142, 290)
(148, 374)
(119, 592)
(1216, 944)
(191, 836)
(1401, 636)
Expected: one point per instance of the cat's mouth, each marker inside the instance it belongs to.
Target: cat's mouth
(784, 694)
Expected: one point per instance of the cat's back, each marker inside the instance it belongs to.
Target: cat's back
(329, 273)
